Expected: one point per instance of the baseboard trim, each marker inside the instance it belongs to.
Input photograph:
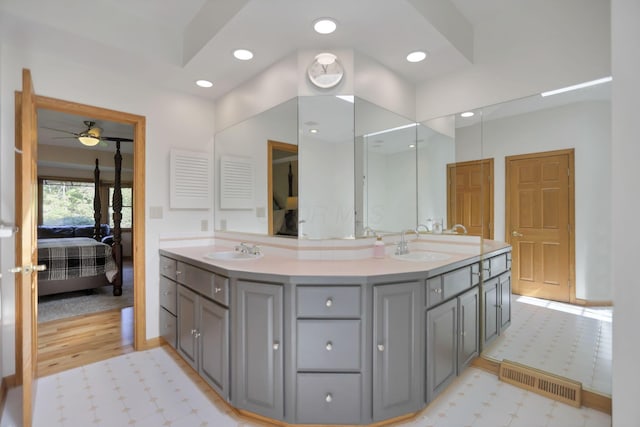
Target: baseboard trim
(590, 303)
(590, 399)
(153, 343)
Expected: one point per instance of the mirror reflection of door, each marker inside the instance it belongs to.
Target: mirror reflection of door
(282, 159)
(470, 196)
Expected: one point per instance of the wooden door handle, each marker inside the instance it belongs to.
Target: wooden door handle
(514, 233)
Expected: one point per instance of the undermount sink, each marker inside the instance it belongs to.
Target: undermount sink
(232, 256)
(421, 256)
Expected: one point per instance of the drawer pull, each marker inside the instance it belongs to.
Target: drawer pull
(276, 345)
(329, 302)
(329, 346)
(197, 335)
(380, 347)
(328, 398)
(476, 273)
(165, 293)
(178, 272)
(193, 331)
(217, 290)
(437, 290)
(463, 333)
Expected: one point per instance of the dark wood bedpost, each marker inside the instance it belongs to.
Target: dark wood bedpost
(117, 218)
(97, 215)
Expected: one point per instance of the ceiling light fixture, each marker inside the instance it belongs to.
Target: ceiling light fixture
(578, 86)
(325, 26)
(243, 54)
(204, 83)
(313, 130)
(412, 145)
(467, 114)
(91, 137)
(416, 56)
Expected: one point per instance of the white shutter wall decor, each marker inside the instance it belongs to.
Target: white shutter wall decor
(236, 182)
(191, 180)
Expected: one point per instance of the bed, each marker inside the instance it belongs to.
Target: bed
(81, 263)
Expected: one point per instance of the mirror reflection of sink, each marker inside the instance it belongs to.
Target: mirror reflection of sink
(232, 256)
(421, 256)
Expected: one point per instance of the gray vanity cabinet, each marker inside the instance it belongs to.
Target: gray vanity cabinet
(397, 349)
(258, 351)
(453, 340)
(496, 297)
(168, 321)
(203, 339)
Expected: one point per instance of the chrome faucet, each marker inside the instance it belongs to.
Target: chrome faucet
(245, 248)
(417, 230)
(402, 247)
(368, 230)
(464, 229)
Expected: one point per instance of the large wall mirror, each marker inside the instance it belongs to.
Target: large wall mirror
(529, 140)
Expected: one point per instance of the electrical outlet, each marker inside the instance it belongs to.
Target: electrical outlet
(204, 225)
(223, 224)
(261, 212)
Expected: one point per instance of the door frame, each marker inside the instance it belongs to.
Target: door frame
(138, 241)
(570, 152)
(451, 191)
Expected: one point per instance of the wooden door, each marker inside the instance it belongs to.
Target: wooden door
(26, 250)
(470, 196)
(539, 222)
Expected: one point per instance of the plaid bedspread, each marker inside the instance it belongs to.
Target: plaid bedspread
(75, 257)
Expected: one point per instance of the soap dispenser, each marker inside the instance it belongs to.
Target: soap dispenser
(378, 248)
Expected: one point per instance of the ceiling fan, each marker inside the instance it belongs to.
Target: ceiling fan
(91, 136)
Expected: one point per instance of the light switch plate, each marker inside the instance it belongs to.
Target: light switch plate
(261, 212)
(155, 212)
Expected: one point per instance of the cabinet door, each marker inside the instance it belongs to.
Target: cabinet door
(469, 344)
(397, 372)
(187, 325)
(505, 301)
(214, 345)
(258, 359)
(441, 347)
(490, 311)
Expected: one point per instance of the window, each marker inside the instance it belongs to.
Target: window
(67, 202)
(127, 207)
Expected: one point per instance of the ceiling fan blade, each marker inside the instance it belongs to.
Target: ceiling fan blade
(115, 139)
(60, 130)
(64, 137)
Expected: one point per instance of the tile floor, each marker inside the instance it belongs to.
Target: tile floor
(150, 388)
(567, 340)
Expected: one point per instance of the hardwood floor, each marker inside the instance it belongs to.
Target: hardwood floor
(68, 343)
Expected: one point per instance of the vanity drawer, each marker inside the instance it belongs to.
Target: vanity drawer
(168, 267)
(168, 294)
(168, 325)
(495, 266)
(455, 282)
(204, 282)
(328, 345)
(328, 399)
(328, 301)
(434, 291)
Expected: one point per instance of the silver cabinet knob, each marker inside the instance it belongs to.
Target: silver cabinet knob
(329, 302)
(197, 335)
(437, 291)
(380, 347)
(276, 345)
(178, 272)
(217, 290)
(193, 331)
(329, 346)
(328, 398)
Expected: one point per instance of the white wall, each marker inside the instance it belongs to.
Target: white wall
(625, 205)
(435, 151)
(553, 45)
(586, 127)
(172, 120)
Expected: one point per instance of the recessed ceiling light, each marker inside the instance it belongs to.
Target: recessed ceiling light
(313, 130)
(324, 26)
(416, 56)
(204, 83)
(243, 54)
(412, 145)
(467, 114)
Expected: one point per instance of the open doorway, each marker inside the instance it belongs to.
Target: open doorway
(282, 163)
(113, 331)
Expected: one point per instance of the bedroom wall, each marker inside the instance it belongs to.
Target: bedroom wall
(172, 120)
